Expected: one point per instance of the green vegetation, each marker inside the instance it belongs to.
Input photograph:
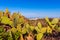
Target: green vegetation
(17, 27)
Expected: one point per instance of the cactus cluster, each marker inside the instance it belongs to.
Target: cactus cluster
(16, 27)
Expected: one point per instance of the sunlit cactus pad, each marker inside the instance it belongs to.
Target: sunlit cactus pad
(17, 27)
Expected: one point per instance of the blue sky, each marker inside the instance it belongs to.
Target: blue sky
(32, 8)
